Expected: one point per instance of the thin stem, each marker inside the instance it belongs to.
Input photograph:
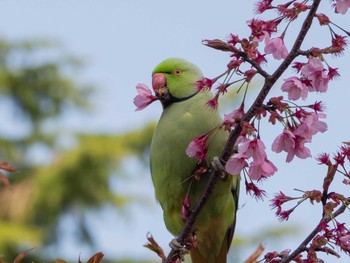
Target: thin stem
(254, 64)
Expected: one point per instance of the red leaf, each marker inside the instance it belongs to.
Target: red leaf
(6, 166)
(253, 257)
(153, 245)
(19, 258)
(96, 258)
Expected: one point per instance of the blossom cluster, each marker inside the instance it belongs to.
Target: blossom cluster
(259, 168)
(313, 78)
(327, 234)
(300, 123)
(300, 126)
(243, 51)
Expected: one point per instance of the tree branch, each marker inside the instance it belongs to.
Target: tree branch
(234, 134)
(302, 247)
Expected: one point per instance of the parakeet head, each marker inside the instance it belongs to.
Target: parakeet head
(174, 80)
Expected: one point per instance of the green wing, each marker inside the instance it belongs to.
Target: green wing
(172, 172)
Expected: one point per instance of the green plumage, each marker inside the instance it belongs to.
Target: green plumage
(172, 170)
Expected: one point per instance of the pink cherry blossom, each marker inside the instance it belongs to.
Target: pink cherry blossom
(255, 191)
(332, 73)
(259, 170)
(284, 142)
(318, 106)
(234, 64)
(311, 125)
(314, 64)
(339, 159)
(295, 87)
(249, 74)
(278, 201)
(233, 39)
(341, 229)
(298, 66)
(344, 243)
(261, 30)
(254, 148)
(345, 150)
(323, 158)
(204, 84)
(338, 44)
(213, 103)
(231, 118)
(144, 97)
(264, 36)
(342, 6)
(314, 71)
(198, 148)
(319, 81)
(260, 58)
(262, 6)
(298, 150)
(284, 215)
(276, 47)
(236, 163)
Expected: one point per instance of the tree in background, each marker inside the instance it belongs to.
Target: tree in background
(37, 88)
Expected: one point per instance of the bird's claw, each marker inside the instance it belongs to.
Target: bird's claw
(180, 249)
(217, 165)
(174, 244)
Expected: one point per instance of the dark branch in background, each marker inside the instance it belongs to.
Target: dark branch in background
(303, 246)
(234, 134)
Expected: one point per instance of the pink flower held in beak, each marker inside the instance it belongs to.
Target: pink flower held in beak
(144, 97)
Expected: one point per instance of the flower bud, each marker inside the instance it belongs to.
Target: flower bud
(216, 44)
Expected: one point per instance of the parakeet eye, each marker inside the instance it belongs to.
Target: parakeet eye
(177, 72)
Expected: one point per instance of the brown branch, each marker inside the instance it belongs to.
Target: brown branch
(303, 246)
(234, 134)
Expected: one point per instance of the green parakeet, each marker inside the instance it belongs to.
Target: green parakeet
(185, 117)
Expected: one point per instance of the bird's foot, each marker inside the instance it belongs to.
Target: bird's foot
(191, 241)
(217, 165)
(179, 249)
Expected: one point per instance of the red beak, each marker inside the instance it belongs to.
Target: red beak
(158, 82)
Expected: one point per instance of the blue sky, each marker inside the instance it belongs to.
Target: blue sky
(121, 42)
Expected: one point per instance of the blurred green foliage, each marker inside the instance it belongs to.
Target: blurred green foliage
(38, 85)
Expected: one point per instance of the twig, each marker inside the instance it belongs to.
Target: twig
(253, 63)
(234, 134)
